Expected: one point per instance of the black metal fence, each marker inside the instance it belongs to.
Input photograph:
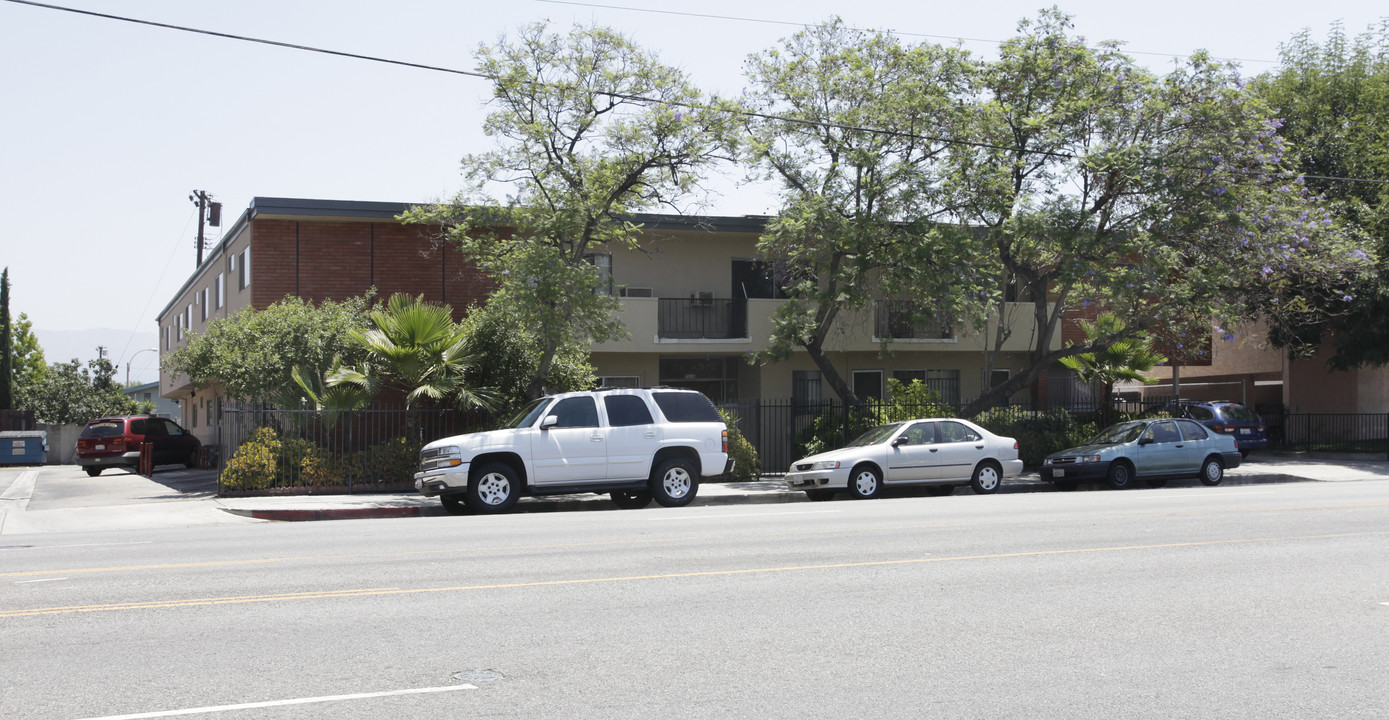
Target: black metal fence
(267, 450)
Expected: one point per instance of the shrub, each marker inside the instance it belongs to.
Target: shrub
(747, 463)
(253, 466)
(1039, 434)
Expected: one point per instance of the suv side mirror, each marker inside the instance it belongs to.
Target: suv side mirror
(549, 422)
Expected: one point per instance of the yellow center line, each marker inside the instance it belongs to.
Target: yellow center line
(367, 592)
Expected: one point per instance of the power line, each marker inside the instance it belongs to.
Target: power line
(791, 23)
(620, 96)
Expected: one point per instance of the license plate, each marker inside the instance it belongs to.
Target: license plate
(16, 451)
(1058, 472)
(100, 447)
(1244, 431)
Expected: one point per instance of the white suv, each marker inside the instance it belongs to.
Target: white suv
(635, 443)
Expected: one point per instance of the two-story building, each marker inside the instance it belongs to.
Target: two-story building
(695, 299)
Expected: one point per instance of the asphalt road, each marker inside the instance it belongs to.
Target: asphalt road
(1261, 601)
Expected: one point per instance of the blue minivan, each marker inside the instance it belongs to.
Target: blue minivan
(1229, 418)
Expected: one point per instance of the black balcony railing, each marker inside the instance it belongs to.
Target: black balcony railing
(702, 318)
(903, 320)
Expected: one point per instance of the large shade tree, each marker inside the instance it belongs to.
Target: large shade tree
(1166, 200)
(590, 128)
(1333, 99)
(854, 126)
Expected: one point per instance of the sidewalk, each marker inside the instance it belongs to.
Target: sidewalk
(1257, 469)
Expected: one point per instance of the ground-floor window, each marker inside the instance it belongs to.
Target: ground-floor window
(944, 382)
(716, 377)
(619, 381)
(868, 384)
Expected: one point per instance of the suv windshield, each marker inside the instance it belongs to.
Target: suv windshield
(1118, 433)
(1239, 413)
(875, 436)
(683, 407)
(528, 415)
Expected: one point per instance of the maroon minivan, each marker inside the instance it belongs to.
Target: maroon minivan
(115, 442)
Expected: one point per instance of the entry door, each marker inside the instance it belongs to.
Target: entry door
(1164, 455)
(916, 457)
(575, 449)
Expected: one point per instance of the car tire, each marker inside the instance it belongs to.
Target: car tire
(986, 479)
(1120, 475)
(865, 483)
(675, 483)
(1064, 485)
(1212, 471)
(93, 471)
(819, 495)
(455, 503)
(494, 488)
(631, 499)
(1156, 483)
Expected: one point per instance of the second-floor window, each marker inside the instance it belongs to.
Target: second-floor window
(221, 290)
(603, 263)
(243, 269)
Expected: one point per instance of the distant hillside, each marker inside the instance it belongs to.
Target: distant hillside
(64, 345)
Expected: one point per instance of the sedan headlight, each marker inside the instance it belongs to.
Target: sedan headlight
(826, 465)
(1087, 458)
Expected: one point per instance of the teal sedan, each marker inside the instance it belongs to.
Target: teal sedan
(1154, 451)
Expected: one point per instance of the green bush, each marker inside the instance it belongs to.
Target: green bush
(254, 464)
(1039, 434)
(747, 463)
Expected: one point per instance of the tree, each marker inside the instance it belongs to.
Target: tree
(591, 128)
(507, 355)
(6, 350)
(1094, 182)
(416, 348)
(1333, 99)
(853, 126)
(251, 355)
(27, 358)
(71, 394)
(1128, 358)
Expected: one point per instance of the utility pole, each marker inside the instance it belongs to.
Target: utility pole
(209, 213)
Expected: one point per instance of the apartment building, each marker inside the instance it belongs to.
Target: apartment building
(695, 299)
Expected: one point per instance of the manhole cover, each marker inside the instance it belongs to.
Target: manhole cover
(478, 676)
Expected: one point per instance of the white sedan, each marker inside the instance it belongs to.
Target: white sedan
(940, 452)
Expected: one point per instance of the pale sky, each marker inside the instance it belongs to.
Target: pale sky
(107, 127)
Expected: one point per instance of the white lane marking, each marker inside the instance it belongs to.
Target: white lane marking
(282, 703)
(21, 489)
(52, 547)
(742, 515)
(22, 582)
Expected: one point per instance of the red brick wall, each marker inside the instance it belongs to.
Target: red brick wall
(338, 260)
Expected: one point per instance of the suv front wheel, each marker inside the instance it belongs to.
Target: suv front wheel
(674, 483)
(494, 488)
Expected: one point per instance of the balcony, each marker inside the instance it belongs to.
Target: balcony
(702, 318)
(901, 320)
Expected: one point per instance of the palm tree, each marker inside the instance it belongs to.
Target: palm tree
(416, 347)
(1125, 359)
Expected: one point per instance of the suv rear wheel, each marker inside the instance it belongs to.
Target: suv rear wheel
(674, 483)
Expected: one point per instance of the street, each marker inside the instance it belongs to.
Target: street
(1263, 601)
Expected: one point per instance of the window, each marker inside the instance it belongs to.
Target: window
(805, 388)
(188, 317)
(686, 407)
(209, 412)
(759, 279)
(923, 433)
(576, 412)
(221, 290)
(243, 276)
(168, 344)
(1192, 431)
(868, 384)
(1162, 432)
(716, 377)
(998, 377)
(626, 410)
(203, 304)
(951, 431)
(619, 381)
(604, 265)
